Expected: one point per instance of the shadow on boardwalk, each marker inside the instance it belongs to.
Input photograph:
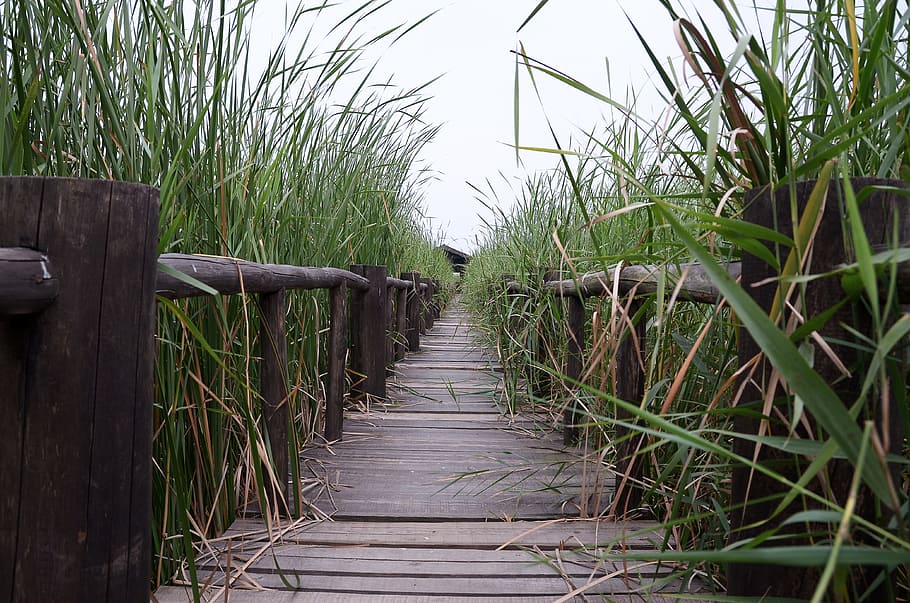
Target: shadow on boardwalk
(434, 495)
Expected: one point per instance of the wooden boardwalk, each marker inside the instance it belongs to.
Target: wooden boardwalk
(435, 495)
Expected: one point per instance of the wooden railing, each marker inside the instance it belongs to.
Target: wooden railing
(380, 310)
(884, 214)
(627, 286)
(79, 274)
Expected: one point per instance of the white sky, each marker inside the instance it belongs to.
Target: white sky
(469, 44)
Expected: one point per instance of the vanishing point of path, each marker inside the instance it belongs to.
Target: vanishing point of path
(435, 495)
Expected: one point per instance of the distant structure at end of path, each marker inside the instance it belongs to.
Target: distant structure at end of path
(459, 259)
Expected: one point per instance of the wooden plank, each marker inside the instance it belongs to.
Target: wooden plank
(433, 559)
(172, 594)
(463, 534)
(499, 586)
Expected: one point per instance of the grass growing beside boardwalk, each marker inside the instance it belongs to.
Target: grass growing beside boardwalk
(823, 93)
(272, 167)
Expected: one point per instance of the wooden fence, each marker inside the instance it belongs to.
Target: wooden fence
(885, 216)
(79, 273)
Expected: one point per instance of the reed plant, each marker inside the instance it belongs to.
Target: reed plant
(303, 162)
(818, 92)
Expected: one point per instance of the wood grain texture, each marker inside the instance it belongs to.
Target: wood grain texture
(413, 310)
(367, 334)
(338, 349)
(230, 275)
(78, 525)
(696, 285)
(273, 386)
(630, 385)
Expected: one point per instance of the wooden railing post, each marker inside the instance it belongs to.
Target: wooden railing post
(629, 386)
(338, 349)
(575, 321)
(886, 218)
(413, 310)
(401, 323)
(391, 331)
(437, 306)
(430, 310)
(76, 382)
(424, 304)
(274, 389)
(368, 333)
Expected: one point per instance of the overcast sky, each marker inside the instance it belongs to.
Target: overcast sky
(469, 43)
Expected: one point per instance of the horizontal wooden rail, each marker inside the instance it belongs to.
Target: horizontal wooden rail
(27, 281)
(696, 285)
(229, 276)
(397, 283)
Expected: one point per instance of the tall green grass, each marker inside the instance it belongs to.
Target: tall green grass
(814, 84)
(307, 162)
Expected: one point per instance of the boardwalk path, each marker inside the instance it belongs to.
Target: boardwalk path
(436, 495)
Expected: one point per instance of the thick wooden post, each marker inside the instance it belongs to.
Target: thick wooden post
(630, 386)
(76, 383)
(413, 310)
(338, 350)
(368, 333)
(401, 323)
(886, 217)
(575, 321)
(274, 389)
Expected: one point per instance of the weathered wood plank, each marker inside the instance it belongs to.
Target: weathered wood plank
(181, 595)
(639, 535)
